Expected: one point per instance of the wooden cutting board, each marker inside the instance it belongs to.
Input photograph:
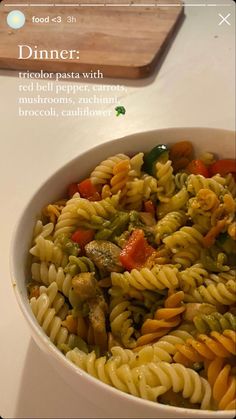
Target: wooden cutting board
(120, 41)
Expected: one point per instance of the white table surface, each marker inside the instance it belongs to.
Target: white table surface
(193, 87)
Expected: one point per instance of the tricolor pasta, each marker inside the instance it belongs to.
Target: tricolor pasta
(133, 276)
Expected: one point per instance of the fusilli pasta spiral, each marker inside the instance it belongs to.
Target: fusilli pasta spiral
(136, 163)
(104, 171)
(48, 273)
(104, 208)
(186, 236)
(162, 376)
(134, 194)
(164, 319)
(169, 224)
(197, 182)
(165, 181)
(42, 230)
(121, 322)
(68, 219)
(45, 309)
(47, 251)
(206, 323)
(214, 294)
(192, 277)
(207, 347)
(187, 257)
(120, 176)
(223, 384)
(157, 278)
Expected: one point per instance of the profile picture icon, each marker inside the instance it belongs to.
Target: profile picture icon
(15, 19)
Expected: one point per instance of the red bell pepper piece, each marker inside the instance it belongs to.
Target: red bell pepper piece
(136, 251)
(197, 167)
(88, 190)
(223, 167)
(82, 237)
(150, 207)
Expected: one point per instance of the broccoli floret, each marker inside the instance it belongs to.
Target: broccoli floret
(120, 110)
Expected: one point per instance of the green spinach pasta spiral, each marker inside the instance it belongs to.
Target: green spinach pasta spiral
(133, 275)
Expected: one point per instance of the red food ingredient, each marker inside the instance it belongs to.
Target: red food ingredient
(197, 167)
(181, 149)
(223, 167)
(150, 207)
(136, 251)
(88, 190)
(181, 154)
(82, 237)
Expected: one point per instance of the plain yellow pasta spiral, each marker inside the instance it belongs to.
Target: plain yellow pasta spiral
(149, 186)
(169, 224)
(121, 321)
(134, 194)
(157, 278)
(105, 208)
(165, 181)
(187, 257)
(147, 381)
(47, 251)
(157, 378)
(47, 308)
(186, 236)
(68, 219)
(219, 293)
(192, 277)
(136, 163)
(42, 272)
(42, 230)
(175, 203)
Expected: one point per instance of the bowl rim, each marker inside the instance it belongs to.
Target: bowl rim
(37, 329)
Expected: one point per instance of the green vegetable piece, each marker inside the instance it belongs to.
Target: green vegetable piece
(227, 244)
(117, 225)
(120, 110)
(103, 234)
(78, 342)
(77, 265)
(158, 153)
(222, 238)
(67, 245)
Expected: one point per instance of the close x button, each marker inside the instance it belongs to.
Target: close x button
(224, 19)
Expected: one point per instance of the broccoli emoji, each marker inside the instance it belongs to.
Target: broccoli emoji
(120, 110)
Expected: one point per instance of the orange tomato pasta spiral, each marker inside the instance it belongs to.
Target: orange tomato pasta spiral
(204, 347)
(164, 319)
(223, 384)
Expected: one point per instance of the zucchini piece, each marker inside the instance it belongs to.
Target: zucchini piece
(159, 153)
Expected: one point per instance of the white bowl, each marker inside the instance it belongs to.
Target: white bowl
(120, 404)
